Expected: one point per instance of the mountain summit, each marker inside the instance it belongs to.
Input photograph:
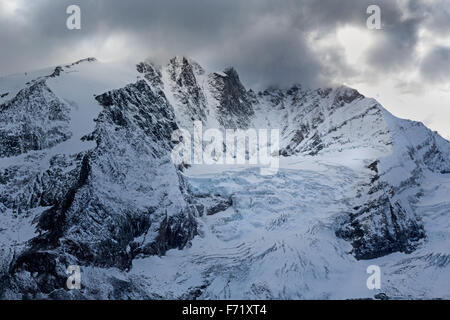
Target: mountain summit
(86, 179)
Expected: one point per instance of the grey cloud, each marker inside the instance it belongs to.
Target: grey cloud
(266, 41)
(395, 46)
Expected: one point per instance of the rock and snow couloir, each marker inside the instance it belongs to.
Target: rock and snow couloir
(86, 179)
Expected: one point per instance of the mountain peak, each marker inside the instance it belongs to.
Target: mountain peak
(87, 155)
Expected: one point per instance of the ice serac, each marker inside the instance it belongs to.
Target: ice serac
(384, 212)
(86, 179)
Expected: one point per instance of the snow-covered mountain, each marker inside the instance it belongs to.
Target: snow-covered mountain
(86, 178)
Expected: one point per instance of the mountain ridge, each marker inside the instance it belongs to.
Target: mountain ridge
(108, 196)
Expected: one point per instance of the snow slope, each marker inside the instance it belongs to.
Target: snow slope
(86, 178)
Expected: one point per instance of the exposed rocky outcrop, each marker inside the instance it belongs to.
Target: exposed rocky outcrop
(119, 196)
(33, 120)
(112, 204)
(184, 85)
(380, 227)
(234, 105)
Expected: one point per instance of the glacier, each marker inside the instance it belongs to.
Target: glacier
(86, 179)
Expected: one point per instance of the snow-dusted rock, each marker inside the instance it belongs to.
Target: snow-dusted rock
(86, 178)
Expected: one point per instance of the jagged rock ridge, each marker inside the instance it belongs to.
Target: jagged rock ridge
(119, 198)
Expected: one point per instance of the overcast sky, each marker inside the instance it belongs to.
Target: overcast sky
(405, 65)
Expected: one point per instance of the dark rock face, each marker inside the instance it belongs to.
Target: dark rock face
(345, 95)
(24, 187)
(151, 72)
(33, 120)
(381, 227)
(235, 109)
(386, 222)
(187, 90)
(124, 198)
(113, 203)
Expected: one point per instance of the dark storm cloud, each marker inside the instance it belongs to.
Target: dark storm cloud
(269, 42)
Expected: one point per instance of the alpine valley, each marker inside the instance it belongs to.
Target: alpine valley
(87, 179)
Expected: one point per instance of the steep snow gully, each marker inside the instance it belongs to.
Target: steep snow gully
(87, 179)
